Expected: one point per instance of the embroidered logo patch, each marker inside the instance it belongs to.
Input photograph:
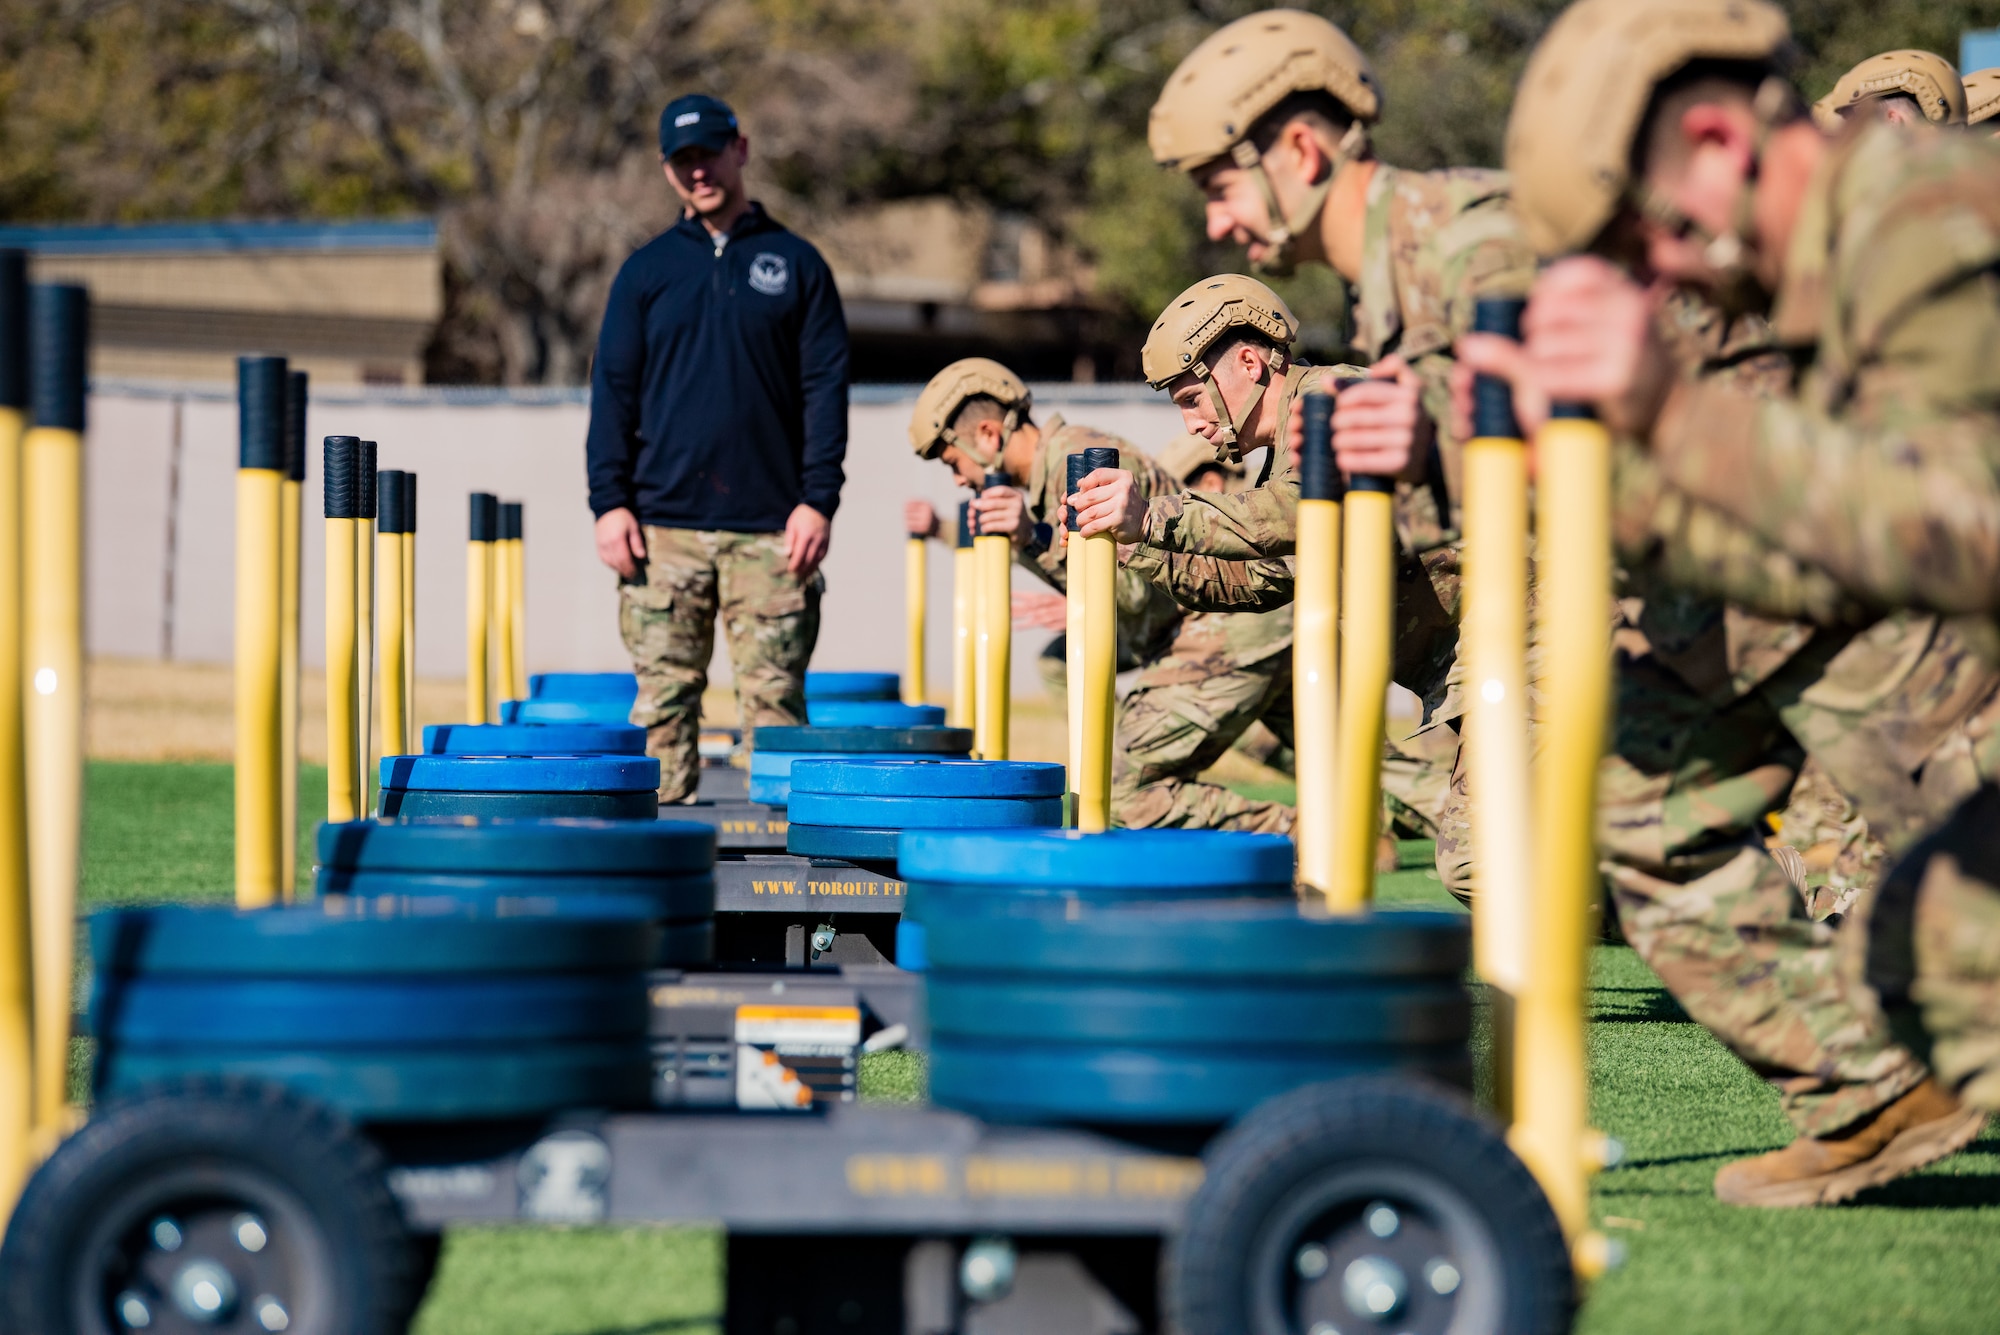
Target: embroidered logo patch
(686, 118)
(769, 273)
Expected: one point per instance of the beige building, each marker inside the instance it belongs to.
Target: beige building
(352, 303)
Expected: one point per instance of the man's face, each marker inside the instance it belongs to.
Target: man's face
(1235, 207)
(968, 470)
(709, 180)
(1237, 377)
(1704, 186)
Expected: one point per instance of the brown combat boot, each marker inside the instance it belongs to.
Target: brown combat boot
(1919, 1128)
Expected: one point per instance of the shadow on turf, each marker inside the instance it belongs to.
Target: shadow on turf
(1630, 1005)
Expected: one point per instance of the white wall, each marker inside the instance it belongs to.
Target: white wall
(524, 446)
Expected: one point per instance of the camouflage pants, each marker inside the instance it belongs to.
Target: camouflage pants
(1416, 782)
(1681, 799)
(1926, 943)
(667, 618)
(1824, 844)
(1177, 720)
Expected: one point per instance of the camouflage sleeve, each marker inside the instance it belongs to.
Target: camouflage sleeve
(1897, 495)
(1200, 583)
(1230, 525)
(1691, 543)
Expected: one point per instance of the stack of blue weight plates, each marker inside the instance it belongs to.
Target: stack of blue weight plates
(776, 750)
(388, 1017)
(857, 809)
(574, 697)
(659, 870)
(613, 786)
(872, 714)
(853, 686)
(1104, 978)
(534, 739)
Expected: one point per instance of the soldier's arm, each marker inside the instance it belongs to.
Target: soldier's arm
(1202, 583)
(1231, 525)
(1897, 493)
(1693, 543)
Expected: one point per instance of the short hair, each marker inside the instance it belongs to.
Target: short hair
(1695, 83)
(981, 408)
(1311, 104)
(1231, 340)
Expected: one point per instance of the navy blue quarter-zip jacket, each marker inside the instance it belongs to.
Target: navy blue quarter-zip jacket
(719, 395)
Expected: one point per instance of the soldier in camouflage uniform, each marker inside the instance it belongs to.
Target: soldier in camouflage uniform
(1906, 87)
(1193, 698)
(1270, 117)
(1866, 480)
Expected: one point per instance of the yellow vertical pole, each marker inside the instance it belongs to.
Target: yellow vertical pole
(484, 528)
(17, 1003)
(964, 605)
(291, 536)
(916, 608)
(1100, 663)
(1494, 633)
(1573, 528)
(364, 621)
(502, 623)
(517, 590)
(262, 386)
(994, 553)
(52, 643)
(1075, 632)
(343, 764)
(1367, 645)
(1315, 649)
(414, 735)
(394, 724)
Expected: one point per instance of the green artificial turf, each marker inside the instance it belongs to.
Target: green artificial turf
(1920, 1256)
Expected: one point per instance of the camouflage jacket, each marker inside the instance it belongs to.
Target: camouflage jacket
(1433, 243)
(1148, 617)
(1881, 465)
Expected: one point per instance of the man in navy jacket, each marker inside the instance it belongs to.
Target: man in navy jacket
(718, 424)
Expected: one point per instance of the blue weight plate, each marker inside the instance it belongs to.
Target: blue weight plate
(516, 1081)
(769, 792)
(360, 1012)
(423, 804)
(955, 742)
(910, 945)
(524, 847)
(568, 711)
(1116, 859)
(510, 712)
(683, 942)
(1164, 1013)
(1242, 938)
(690, 895)
(905, 813)
(771, 771)
(618, 687)
(339, 938)
(984, 897)
(911, 777)
(872, 714)
(534, 739)
(522, 774)
(840, 841)
(1026, 1083)
(853, 686)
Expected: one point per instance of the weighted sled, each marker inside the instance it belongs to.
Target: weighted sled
(534, 739)
(519, 847)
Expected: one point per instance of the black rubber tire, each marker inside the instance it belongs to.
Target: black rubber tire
(322, 1187)
(1273, 1180)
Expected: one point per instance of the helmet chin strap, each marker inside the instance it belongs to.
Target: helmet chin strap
(1009, 424)
(1229, 427)
(1281, 260)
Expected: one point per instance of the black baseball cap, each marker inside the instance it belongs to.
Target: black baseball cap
(696, 119)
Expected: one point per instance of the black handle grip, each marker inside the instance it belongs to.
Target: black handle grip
(389, 502)
(1582, 411)
(1318, 479)
(510, 519)
(485, 525)
(1371, 482)
(58, 367)
(996, 480)
(13, 328)
(1079, 468)
(296, 397)
(964, 525)
(337, 475)
(263, 412)
(410, 501)
(364, 481)
(1492, 397)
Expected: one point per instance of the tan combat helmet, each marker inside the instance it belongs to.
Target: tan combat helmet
(1195, 321)
(969, 377)
(1982, 96)
(1243, 70)
(1585, 92)
(1928, 80)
